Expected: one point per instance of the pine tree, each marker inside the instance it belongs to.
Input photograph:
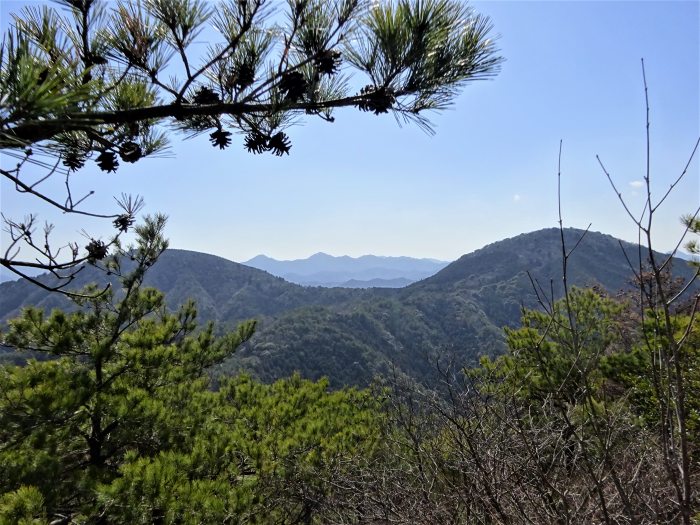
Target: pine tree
(116, 420)
(110, 380)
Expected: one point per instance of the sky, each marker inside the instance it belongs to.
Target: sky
(364, 184)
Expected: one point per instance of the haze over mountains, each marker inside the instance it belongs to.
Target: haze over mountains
(367, 271)
(350, 335)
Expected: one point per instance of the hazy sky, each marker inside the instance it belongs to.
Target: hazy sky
(365, 185)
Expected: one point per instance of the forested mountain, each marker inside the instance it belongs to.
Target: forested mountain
(351, 335)
(458, 314)
(225, 291)
(367, 271)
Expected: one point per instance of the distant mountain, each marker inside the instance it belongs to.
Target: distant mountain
(686, 256)
(350, 335)
(398, 282)
(7, 275)
(367, 271)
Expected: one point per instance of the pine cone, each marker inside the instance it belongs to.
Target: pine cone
(107, 161)
(97, 250)
(220, 138)
(377, 100)
(279, 144)
(293, 85)
(256, 142)
(130, 151)
(205, 95)
(123, 222)
(328, 62)
(242, 77)
(73, 160)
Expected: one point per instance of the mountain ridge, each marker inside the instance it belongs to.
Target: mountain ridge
(351, 335)
(457, 314)
(322, 269)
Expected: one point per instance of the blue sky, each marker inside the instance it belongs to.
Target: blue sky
(366, 185)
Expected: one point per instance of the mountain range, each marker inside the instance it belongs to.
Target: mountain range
(351, 335)
(367, 271)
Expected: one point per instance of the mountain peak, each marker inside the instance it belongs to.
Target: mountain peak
(323, 269)
(321, 255)
(261, 258)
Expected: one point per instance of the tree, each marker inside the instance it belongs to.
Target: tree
(110, 84)
(116, 421)
(671, 350)
(110, 382)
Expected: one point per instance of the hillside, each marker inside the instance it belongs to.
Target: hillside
(351, 335)
(225, 291)
(457, 314)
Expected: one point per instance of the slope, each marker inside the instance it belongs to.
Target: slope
(458, 314)
(225, 291)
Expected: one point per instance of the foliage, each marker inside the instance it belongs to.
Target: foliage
(550, 361)
(120, 424)
(264, 453)
(95, 77)
(637, 371)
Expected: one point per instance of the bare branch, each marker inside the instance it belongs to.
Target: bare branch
(68, 209)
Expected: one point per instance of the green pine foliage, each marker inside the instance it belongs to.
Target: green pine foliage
(638, 373)
(556, 354)
(264, 454)
(121, 424)
(128, 71)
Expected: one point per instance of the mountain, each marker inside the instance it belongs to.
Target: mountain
(457, 314)
(350, 335)
(7, 275)
(686, 256)
(398, 282)
(367, 271)
(225, 291)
